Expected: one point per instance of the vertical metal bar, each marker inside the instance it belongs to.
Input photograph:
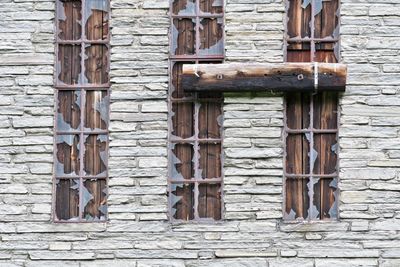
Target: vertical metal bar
(338, 120)
(312, 59)
(312, 50)
(170, 85)
(339, 39)
(223, 36)
(196, 114)
(196, 121)
(108, 3)
(169, 122)
(287, 3)
(285, 116)
(108, 94)
(56, 31)
(197, 173)
(83, 15)
(311, 189)
(196, 201)
(55, 127)
(337, 161)
(83, 98)
(197, 27)
(284, 156)
(107, 150)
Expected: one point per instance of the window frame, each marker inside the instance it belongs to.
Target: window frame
(194, 98)
(313, 178)
(82, 88)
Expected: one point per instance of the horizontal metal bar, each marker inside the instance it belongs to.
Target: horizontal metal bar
(193, 180)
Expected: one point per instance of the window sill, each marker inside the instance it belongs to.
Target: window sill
(197, 222)
(313, 226)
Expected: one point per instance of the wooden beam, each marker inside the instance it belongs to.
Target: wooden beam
(280, 77)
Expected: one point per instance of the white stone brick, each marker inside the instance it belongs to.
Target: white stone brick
(60, 246)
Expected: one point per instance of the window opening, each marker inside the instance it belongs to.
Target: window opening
(195, 119)
(311, 120)
(82, 111)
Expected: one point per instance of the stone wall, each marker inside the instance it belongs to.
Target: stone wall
(252, 234)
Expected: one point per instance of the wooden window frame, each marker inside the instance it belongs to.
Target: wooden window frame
(311, 131)
(195, 58)
(83, 89)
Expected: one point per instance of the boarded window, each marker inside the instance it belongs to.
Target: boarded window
(311, 120)
(82, 111)
(195, 120)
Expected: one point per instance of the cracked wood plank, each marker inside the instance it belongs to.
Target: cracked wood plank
(282, 77)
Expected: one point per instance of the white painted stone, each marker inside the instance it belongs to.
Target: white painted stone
(60, 246)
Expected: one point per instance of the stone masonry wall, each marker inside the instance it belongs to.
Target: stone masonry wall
(252, 234)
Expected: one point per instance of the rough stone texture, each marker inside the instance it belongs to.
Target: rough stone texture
(252, 234)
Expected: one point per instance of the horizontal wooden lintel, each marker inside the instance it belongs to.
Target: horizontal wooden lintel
(279, 77)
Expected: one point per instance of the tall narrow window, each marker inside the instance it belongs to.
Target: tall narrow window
(311, 120)
(195, 119)
(82, 111)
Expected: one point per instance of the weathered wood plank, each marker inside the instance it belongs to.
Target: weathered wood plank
(326, 21)
(283, 77)
(299, 20)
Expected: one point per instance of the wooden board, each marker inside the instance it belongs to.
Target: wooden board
(245, 77)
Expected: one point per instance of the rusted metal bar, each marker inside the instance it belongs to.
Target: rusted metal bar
(283, 77)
